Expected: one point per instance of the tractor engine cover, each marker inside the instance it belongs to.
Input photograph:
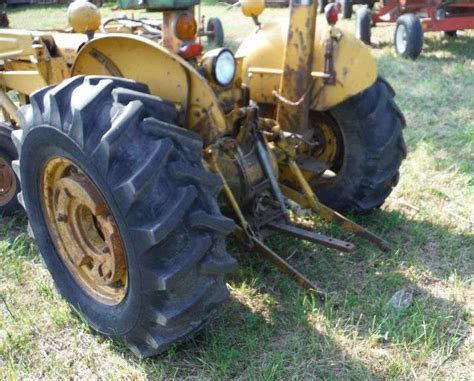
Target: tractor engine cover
(241, 168)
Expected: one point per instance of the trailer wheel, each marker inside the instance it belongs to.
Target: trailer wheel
(125, 215)
(346, 9)
(9, 184)
(321, 5)
(408, 36)
(362, 141)
(363, 24)
(216, 39)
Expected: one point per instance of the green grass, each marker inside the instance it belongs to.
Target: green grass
(270, 328)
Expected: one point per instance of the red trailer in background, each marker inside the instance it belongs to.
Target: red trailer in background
(414, 18)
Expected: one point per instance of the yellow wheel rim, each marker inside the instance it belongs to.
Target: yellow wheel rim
(7, 182)
(329, 150)
(84, 231)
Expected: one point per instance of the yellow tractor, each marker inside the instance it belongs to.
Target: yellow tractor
(137, 154)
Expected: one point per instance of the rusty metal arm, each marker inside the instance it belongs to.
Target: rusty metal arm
(313, 237)
(283, 266)
(245, 226)
(333, 216)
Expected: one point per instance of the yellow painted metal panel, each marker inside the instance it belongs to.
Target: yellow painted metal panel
(166, 74)
(16, 43)
(296, 81)
(24, 82)
(355, 67)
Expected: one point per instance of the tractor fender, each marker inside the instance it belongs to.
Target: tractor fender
(262, 53)
(167, 75)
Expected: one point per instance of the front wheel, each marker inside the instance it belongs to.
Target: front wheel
(124, 214)
(362, 143)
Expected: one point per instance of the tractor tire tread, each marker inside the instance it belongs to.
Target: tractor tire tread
(376, 149)
(175, 284)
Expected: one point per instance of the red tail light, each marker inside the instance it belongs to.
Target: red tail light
(331, 12)
(190, 50)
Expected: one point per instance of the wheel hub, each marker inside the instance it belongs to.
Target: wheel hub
(7, 182)
(328, 143)
(327, 147)
(84, 231)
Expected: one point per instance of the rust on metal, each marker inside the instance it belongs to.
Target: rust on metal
(296, 82)
(84, 231)
(329, 61)
(108, 64)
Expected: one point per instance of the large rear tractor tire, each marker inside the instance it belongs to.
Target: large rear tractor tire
(367, 131)
(9, 184)
(124, 214)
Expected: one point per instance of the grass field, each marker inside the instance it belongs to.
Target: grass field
(270, 328)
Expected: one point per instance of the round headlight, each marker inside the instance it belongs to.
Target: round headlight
(223, 68)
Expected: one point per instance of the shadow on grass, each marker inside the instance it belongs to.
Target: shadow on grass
(461, 47)
(382, 44)
(271, 328)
